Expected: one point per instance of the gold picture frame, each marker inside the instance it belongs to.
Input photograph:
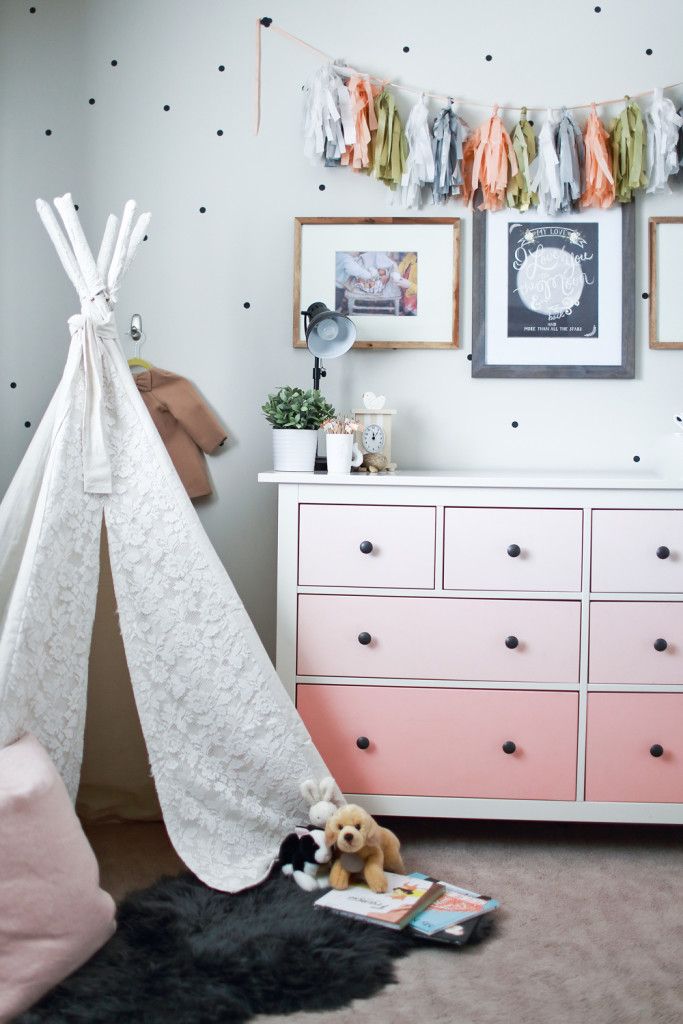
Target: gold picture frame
(662, 291)
(448, 289)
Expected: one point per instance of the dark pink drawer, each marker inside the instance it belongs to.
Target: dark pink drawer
(624, 731)
(445, 742)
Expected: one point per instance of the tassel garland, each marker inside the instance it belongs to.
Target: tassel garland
(419, 168)
(348, 120)
(390, 150)
(520, 195)
(449, 132)
(663, 125)
(629, 156)
(494, 162)
(545, 170)
(598, 189)
(570, 154)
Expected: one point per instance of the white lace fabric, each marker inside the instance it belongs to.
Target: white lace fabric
(227, 747)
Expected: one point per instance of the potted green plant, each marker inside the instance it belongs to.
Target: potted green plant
(295, 415)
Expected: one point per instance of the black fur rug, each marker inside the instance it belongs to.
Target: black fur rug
(186, 954)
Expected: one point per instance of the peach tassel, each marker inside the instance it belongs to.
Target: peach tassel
(494, 162)
(362, 94)
(599, 188)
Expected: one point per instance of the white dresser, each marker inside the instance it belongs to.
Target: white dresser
(488, 646)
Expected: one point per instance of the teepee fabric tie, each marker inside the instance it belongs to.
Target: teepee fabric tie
(97, 477)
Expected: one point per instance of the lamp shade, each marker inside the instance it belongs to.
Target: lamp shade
(328, 334)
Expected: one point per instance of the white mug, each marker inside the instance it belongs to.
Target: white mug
(342, 453)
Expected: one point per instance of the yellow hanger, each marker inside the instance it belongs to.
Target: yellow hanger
(140, 362)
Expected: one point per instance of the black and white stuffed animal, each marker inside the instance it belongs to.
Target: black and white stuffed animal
(301, 855)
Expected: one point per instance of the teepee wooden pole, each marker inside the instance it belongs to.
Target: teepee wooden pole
(121, 248)
(107, 247)
(64, 250)
(84, 257)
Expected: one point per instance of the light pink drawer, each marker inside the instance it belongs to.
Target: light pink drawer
(438, 638)
(441, 742)
(513, 548)
(636, 642)
(624, 733)
(637, 550)
(397, 546)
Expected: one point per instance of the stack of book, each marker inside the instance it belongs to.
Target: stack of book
(431, 909)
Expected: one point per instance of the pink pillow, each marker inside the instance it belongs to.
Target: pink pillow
(53, 914)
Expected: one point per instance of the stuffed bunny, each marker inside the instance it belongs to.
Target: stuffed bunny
(324, 800)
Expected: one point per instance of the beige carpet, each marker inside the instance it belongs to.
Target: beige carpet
(591, 929)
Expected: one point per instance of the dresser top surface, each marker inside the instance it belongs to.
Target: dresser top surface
(578, 479)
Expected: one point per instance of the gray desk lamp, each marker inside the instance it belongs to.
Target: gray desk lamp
(328, 335)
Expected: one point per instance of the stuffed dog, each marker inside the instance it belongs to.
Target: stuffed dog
(363, 846)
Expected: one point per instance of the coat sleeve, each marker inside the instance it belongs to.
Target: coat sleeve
(189, 408)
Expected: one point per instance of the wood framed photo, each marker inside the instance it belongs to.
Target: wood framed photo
(665, 242)
(554, 296)
(397, 278)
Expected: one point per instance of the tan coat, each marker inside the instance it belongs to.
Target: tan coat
(186, 424)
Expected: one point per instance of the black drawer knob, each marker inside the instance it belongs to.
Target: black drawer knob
(656, 750)
(509, 747)
(663, 552)
(363, 742)
(511, 642)
(364, 639)
(660, 644)
(366, 547)
(514, 550)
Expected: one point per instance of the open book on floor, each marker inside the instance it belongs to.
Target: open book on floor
(457, 916)
(406, 896)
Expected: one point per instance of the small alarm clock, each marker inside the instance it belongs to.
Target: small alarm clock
(374, 435)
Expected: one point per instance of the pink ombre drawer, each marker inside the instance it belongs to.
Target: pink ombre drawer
(438, 638)
(625, 732)
(513, 549)
(443, 742)
(367, 546)
(637, 550)
(636, 642)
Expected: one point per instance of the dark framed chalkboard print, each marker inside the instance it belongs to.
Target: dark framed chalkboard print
(554, 296)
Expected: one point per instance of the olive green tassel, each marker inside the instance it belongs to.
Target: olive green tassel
(390, 149)
(520, 195)
(629, 152)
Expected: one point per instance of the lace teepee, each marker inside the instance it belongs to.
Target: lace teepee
(226, 746)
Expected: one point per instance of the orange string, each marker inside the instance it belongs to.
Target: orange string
(437, 95)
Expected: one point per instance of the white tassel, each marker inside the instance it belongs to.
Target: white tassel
(328, 121)
(545, 170)
(419, 169)
(663, 124)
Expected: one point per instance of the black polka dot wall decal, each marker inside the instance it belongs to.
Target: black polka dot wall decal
(114, 63)
(406, 49)
(145, 238)
(202, 209)
(75, 206)
(515, 424)
(531, 124)
(13, 384)
(31, 10)
(489, 56)
(221, 67)
(646, 295)
(597, 9)
(166, 106)
(469, 356)
(219, 132)
(266, 22)
(91, 101)
(321, 187)
(636, 458)
(648, 52)
(247, 305)
(27, 423)
(48, 131)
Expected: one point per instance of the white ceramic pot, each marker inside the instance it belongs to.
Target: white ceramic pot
(294, 450)
(342, 453)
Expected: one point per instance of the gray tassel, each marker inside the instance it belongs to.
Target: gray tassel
(448, 135)
(570, 152)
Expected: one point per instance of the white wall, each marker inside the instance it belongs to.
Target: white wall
(196, 271)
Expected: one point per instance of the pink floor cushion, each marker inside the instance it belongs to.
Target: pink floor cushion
(53, 914)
